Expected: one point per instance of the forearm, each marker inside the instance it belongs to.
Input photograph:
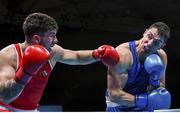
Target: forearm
(9, 90)
(85, 57)
(122, 98)
(163, 81)
(162, 84)
(81, 57)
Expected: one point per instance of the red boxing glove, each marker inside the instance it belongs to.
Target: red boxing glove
(33, 59)
(107, 54)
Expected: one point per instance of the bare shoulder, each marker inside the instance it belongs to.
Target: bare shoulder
(125, 55)
(123, 45)
(58, 52)
(9, 54)
(8, 63)
(162, 53)
(56, 48)
(124, 50)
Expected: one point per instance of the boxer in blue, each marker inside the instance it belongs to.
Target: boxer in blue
(136, 72)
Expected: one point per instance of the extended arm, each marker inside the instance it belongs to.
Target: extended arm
(66, 56)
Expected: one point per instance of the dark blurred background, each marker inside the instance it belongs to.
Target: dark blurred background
(87, 24)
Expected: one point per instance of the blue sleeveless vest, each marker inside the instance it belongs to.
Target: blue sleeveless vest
(138, 78)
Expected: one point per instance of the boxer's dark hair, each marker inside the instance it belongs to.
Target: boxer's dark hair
(163, 29)
(38, 23)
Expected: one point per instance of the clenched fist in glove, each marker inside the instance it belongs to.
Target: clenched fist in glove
(33, 59)
(107, 54)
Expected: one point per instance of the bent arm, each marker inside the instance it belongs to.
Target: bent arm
(9, 88)
(163, 81)
(163, 56)
(115, 88)
(117, 79)
(80, 57)
(122, 98)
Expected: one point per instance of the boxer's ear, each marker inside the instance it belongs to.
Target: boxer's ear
(36, 39)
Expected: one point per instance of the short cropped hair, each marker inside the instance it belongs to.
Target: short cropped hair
(163, 29)
(38, 23)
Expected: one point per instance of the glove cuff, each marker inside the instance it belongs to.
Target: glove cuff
(154, 83)
(141, 100)
(22, 76)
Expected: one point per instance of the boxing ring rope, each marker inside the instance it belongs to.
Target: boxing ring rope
(168, 110)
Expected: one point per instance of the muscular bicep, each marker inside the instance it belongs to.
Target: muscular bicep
(63, 55)
(116, 83)
(116, 80)
(70, 56)
(9, 88)
(6, 73)
(7, 65)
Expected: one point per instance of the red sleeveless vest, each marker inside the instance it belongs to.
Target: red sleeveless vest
(30, 96)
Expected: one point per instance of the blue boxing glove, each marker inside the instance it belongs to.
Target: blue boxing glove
(158, 98)
(155, 67)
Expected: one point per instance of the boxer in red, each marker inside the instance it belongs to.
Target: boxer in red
(25, 67)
